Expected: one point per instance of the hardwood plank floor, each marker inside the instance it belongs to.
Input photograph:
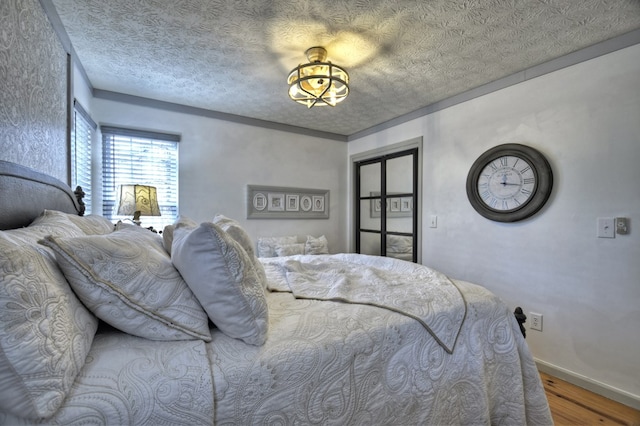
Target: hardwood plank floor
(573, 405)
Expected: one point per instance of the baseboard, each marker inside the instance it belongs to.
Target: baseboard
(591, 385)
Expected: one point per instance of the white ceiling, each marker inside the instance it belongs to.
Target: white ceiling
(233, 56)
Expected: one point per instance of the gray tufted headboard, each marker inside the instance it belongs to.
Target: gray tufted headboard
(25, 193)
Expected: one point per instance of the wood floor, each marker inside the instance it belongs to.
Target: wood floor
(572, 405)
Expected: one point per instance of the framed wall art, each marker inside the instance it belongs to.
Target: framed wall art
(275, 202)
(279, 202)
(293, 203)
(396, 206)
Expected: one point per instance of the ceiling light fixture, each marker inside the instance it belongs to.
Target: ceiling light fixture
(318, 82)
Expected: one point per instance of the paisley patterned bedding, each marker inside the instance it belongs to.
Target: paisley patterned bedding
(421, 293)
(337, 363)
(324, 362)
(351, 339)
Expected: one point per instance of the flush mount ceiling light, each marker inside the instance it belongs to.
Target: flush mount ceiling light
(318, 82)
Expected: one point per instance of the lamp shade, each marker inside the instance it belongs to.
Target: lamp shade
(138, 200)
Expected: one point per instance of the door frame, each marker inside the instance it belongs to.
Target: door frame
(380, 152)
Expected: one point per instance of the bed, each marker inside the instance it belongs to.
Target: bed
(342, 339)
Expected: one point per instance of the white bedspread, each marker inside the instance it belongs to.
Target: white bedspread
(421, 293)
(334, 363)
(325, 362)
(129, 380)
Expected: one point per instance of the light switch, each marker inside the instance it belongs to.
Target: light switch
(606, 227)
(434, 221)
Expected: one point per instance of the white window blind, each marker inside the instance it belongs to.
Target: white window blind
(141, 158)
(81, 135)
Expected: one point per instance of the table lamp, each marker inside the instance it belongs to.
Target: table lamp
(138, 200)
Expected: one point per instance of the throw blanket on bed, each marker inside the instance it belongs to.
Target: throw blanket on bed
(413, 290)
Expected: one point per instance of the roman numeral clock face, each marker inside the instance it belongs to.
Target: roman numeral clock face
(509, 183)
(506, 183)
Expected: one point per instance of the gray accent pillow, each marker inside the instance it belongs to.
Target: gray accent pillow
(238, 233)
(223, 278)
(167, 234)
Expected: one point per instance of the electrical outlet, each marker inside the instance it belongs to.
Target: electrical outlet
(536, 321)
(622, 225)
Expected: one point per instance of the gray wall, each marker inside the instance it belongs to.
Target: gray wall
(33, 90)
(586, 120)
(218, 159)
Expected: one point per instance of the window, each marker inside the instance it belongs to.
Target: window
(141, 158)
(81, 134)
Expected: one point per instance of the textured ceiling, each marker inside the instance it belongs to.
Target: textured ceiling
(233, 56)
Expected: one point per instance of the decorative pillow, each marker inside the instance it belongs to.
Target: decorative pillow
(399, 244)
(93, 224)
(237, 232)
(167, 234)
(127, 279)
(315, 245)
(267, 245)
(45, 332)
(89, 225)
(289, 249)
(222, 276)
(53, 221)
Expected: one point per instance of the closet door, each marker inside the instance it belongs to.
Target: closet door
(386, 200)
(370, 216)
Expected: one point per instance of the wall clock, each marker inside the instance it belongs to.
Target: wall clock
(509, 182)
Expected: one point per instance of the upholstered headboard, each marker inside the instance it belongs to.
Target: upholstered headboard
(25, 193)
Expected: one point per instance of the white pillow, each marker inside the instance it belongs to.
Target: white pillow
(399, 244)
(45, 332)
(237, 232)
(315, 245)
(233, 228)
(126, 278)
(222, 276)
(167, 234)
(93, 224)
(267, 245)
(289, 249)
(89, 225)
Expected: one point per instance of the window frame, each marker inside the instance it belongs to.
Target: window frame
(141, 157)
(82, 133)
